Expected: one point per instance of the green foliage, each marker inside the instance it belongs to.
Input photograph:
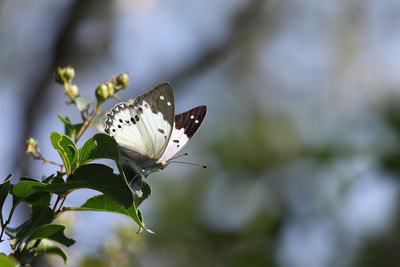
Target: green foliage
(264, 143)
(4, 188)
(51, 231)
(37, 235)
(67, 150)
(47, 247)
(7, 261)
(100, 146)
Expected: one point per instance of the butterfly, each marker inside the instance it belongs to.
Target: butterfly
(148, 132)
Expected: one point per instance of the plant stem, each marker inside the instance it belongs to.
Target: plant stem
(86, 124)
(40, 157)
(2, 226)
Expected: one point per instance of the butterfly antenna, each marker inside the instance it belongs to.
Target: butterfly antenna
(179, 156)
(189, 163)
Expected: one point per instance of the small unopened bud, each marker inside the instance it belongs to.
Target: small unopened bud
(74, 89)
(31, 145)
(71, 90)
(65, 75)
(122, 80)
(101, 93)
(69, 73)
(59, 75)
(110, 88)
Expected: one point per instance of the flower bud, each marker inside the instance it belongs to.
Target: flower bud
(101, 93)
(59, 75)
(122, 80)
(64, 75)
(110, 88)
(69, 73)
(71, 90)
(31, 145)
(74, 89)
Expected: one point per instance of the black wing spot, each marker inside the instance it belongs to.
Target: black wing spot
(177, 146)
(140, 110)
(113, 130)
(136, 117)
(119, 126)
(145, 105)
(121, 121)
(161, 130)
(153, 109)
(175, 141)
(127, 121)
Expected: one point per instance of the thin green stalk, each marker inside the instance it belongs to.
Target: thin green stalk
(87, 123)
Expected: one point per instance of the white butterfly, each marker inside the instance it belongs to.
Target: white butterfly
(148, 132)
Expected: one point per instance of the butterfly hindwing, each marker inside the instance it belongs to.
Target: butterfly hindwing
(143, 128)
(118, 125)
(185, 127)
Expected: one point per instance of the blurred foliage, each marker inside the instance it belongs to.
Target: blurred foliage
(119, 250)
(384, 250)
(391, 116)
(258, 145)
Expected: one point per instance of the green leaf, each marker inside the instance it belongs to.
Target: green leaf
(105, 203)
(15, 233)
(67, 150)
(26, 178)
(38, 199)
(58, 179)
(34, 192)
(82, 102)
(70, 129)
(40, 217)
(4, 190)
(60, 188)
(47, 247)
(27, 254)
(47, 180)
(26, 191)
(100, 146)
(24, 188)
(133, 178)
(101, 178)
(52, 231)
(7, 261)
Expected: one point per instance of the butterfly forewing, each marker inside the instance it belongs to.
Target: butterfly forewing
(185, 127)
(144, 127)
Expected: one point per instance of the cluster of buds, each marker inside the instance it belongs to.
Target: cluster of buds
(107, 89)
(104, 91)
(64, 76)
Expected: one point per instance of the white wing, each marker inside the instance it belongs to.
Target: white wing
(142, 129)
(185, 127)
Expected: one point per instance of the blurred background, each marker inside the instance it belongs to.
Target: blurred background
(301, 138)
